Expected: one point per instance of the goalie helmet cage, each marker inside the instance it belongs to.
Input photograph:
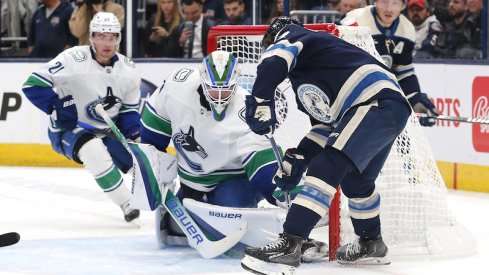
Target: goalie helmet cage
(415, 217)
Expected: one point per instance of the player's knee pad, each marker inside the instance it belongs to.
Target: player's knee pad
(365, 208)
(316, 195)
(95, 157)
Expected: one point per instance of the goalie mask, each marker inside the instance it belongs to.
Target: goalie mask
(219, 74)
(105, 22)
(275, 27)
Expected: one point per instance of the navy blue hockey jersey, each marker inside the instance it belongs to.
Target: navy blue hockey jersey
(328, 74)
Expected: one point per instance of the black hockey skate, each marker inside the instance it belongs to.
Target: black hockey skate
(130, 214)
(368, 252)
(314, 251)
(281, 257)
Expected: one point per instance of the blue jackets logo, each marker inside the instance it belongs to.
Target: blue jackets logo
(315, 101)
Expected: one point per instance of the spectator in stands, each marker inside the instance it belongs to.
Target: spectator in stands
(214, 10)
(84, 12)
(166, 19)
(277, 10)
(473, 49)
(189, 40)
(16, 18)
(428, 29)
(235, 13)
(456, 31)
(440, 10)
(349, 5)
(49, 32)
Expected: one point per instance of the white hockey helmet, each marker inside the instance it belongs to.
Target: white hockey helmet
(219, 74)
(105, 22)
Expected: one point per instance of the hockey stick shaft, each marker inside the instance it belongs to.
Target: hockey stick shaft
(9, 239)
(197, 239)
(478, 120)
(280, 166)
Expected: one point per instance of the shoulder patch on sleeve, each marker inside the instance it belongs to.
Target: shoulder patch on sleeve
(129, 62)
(182, 74)
(79, 55)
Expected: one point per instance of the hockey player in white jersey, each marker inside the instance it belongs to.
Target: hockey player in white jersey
(220, 160)
(70, 86)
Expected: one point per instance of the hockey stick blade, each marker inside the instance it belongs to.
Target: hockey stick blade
(9, 239)
(197, 239)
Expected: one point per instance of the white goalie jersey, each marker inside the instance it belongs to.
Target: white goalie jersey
(75, 72)
(208, 151)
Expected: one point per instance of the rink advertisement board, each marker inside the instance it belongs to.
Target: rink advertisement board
(461, 149)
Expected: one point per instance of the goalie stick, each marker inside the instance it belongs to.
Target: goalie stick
(196, 238)
(478, 120)
(9, 239)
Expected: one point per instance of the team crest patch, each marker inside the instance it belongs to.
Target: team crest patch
(315, 101)
(182, 75)
(129, 62)
(79, 56)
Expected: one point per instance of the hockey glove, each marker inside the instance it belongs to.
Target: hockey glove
(260, 115)
(422, 104)
(294, 165)
(64, 113)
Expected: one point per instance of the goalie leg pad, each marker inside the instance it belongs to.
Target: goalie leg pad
(153, 172)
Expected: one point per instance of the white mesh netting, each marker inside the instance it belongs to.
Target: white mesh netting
(414, 213)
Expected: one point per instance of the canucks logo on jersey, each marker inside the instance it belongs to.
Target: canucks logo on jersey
(109, 101)
(185, 142)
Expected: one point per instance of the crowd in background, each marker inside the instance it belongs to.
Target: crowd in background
(178, 28)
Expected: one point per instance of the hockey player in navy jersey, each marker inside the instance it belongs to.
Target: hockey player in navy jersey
(395, 37)
(338, 85)
(70, 86)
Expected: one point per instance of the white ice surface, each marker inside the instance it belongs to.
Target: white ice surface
(68, 226)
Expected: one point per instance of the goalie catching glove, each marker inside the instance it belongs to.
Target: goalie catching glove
(260, 115)
(295, 164)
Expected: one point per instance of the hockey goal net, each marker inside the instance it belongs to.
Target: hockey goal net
(414, 212)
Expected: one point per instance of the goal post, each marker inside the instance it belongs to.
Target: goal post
(415, 216)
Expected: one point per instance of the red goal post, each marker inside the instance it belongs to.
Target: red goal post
(414, 212)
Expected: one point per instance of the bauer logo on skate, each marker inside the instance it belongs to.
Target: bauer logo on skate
(315, 101)
(480, 108)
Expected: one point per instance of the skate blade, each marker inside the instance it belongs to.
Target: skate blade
(136, 223)
(256, 266)
(367, 261)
